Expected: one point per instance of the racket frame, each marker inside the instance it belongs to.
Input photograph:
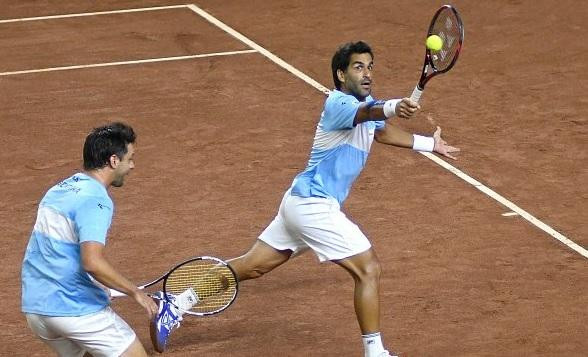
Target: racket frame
(428, 64)
(204, 257)
(115, 293)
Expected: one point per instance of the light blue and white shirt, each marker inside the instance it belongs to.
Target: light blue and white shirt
(54, 283)
(339, 151)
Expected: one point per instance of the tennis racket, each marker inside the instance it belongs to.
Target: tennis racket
(198, 286)
(446, 24)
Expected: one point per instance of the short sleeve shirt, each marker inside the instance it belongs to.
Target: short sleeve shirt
(54, 282)
(339, 151)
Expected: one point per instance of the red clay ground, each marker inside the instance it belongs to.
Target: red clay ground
(221, 138)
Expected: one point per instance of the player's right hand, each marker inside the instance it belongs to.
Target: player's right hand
(406, 108)
(147, 302)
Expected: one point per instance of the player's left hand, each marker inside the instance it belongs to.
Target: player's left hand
(441, 146)
(406, 108)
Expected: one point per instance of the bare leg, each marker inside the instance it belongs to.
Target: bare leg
(260, 259)
(135, 350)
(365, 270)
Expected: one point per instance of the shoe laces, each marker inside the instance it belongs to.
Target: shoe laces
(170, 318)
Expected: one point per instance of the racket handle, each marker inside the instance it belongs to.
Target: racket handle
(416, 94)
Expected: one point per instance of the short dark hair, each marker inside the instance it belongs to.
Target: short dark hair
(342, 57)
(105, 141)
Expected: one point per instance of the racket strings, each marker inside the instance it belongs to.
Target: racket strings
(214, 284)
(448, 27)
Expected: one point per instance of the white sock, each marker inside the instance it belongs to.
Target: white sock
(186, 300)
(372, 344)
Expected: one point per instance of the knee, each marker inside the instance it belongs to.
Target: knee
(370, 271)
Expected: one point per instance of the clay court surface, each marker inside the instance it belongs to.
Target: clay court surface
(221, 137)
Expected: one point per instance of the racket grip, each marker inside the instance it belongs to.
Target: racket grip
(416, 94)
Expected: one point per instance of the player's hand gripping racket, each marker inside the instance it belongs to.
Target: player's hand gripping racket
(446, 24)
(199, 286)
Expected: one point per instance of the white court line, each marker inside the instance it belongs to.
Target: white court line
(510, 214)
(108, 64)
(432, 157)
(92, 14)
(259, 49)
(513, 207)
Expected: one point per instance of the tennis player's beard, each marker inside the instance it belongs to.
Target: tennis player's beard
(118, 182)
(361, 93)
(360, 96)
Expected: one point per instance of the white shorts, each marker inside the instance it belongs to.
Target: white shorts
(102, 334)
(316, 223)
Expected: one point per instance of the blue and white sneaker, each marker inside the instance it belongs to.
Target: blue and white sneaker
(167, 319)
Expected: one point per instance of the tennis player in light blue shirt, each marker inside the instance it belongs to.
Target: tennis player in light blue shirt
(310, 215)
(65, 276)
(74, 211)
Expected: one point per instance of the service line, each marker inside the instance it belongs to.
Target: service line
(109, 64)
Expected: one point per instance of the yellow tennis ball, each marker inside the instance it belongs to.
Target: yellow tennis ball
(434, 43)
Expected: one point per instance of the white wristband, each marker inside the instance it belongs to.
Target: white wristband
(423, 143)
(390, 107)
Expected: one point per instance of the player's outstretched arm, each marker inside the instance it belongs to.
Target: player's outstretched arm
(381, 110)
(393, 135)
